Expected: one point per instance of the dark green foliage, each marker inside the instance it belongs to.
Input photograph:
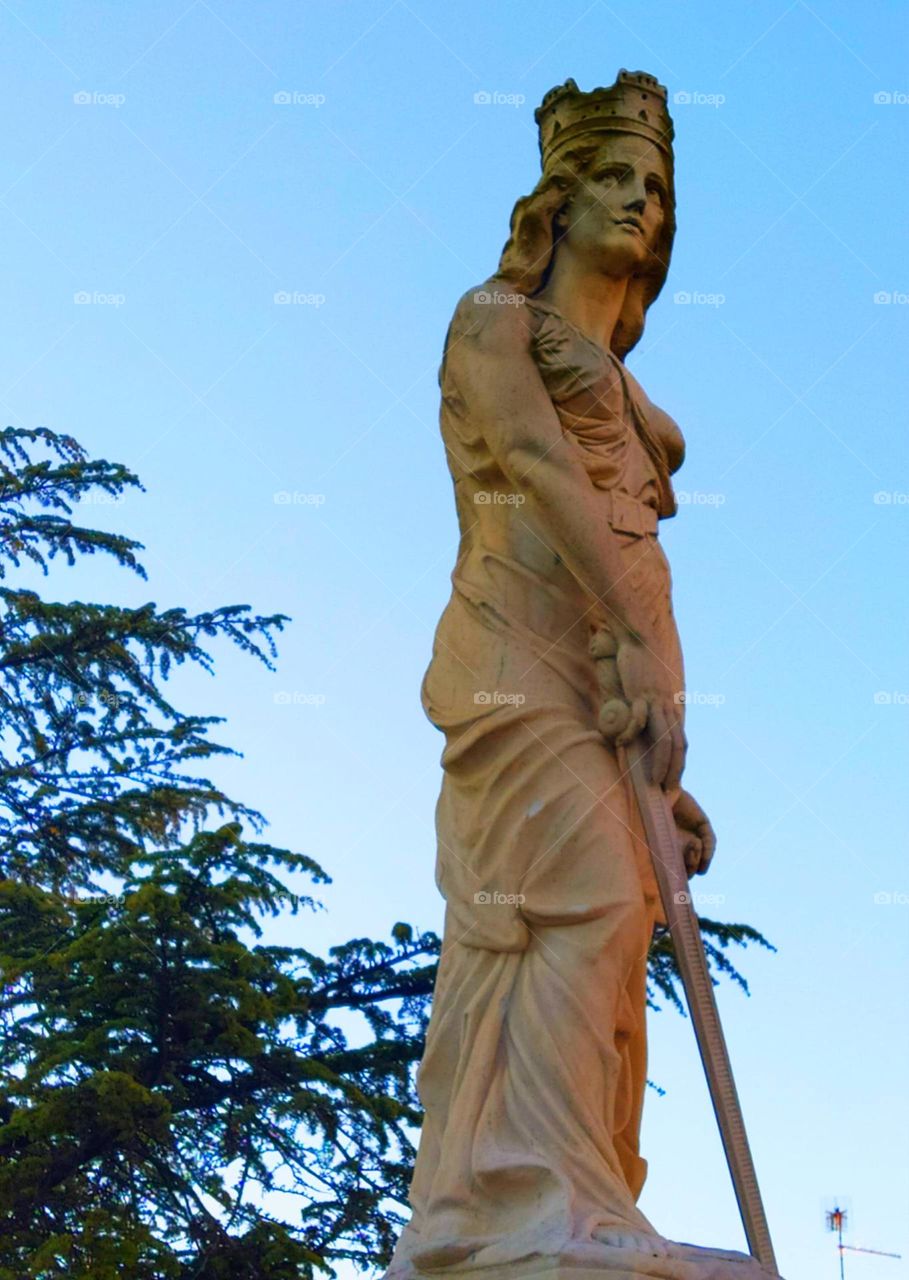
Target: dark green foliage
(162, 1066)
(171, 1068)
(663, 972)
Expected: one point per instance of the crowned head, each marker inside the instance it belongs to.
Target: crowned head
(583, 137)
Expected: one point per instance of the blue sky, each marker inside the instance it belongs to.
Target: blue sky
(149, 169)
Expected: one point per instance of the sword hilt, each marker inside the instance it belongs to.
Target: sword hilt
(613, 718)
(614, 710)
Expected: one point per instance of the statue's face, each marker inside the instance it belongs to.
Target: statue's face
(617, 212)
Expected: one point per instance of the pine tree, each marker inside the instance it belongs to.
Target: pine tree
(178, 1098)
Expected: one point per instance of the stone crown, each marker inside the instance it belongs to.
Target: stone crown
(636, 103)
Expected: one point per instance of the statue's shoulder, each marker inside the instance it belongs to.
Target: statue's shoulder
(493, 315)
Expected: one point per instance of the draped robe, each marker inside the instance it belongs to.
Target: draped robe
(535, 1066)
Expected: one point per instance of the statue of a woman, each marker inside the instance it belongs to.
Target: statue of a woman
(535, 1067)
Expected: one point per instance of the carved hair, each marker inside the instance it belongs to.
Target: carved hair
(529, 254)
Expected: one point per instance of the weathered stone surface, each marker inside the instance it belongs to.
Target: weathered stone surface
(535, 1068)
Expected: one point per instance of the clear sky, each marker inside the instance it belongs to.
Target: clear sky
(149, 168)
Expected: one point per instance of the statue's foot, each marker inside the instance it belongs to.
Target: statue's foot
(638, 1241)
(618, 1250)
(658, 1247)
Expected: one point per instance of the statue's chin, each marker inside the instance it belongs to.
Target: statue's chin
(621, 254)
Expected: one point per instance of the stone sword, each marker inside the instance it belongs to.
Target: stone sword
(672, 879)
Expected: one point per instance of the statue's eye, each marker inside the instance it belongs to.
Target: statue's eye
(657, 189)
(611, 172)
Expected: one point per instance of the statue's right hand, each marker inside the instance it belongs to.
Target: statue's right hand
(653, 709)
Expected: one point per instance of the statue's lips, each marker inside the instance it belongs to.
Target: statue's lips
(631, 225)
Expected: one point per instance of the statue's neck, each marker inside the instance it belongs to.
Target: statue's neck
(591, 301)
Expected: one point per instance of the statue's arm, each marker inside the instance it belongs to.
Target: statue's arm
(489, 358)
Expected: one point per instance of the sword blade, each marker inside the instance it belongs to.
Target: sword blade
(672, 878)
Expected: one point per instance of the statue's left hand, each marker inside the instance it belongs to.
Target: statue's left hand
(695, 832)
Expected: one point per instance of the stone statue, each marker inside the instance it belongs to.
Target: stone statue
(535, 1068)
